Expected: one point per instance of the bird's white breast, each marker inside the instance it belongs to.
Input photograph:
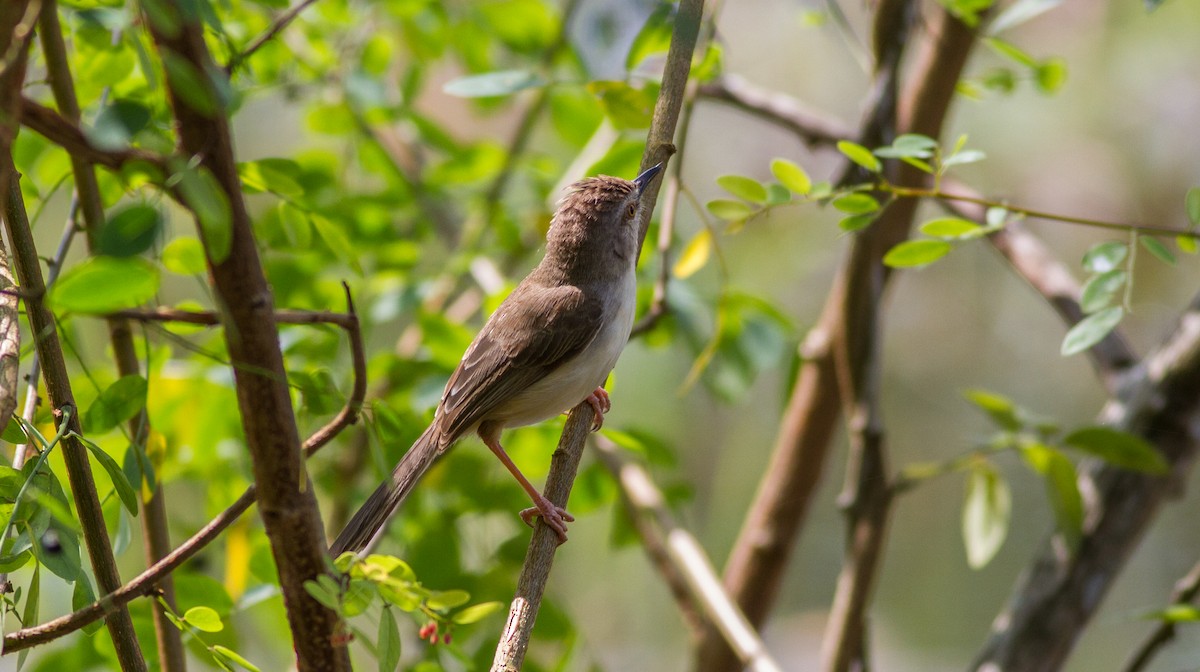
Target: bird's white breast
(576, 378)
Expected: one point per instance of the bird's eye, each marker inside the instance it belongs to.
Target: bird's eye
(631, 209)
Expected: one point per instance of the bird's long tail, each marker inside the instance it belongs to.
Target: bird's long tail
(374, 514)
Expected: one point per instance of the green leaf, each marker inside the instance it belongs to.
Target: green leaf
(695, 255)
(204, 619)
(1050, 75)
(275, 175)
(628, 108)
(794, 177)
(856, 203)
(296, 225)
(337, 241)
(986, 511)
(1091, 330)
(1191, 203)
(184, 256)
(235, 657)
(908, 146)
(14, 433)
(1118, 448)
(205, 198)
(654, 37)
(999, 408)
(1103, 257)
(952, 228)
(448, 599)
(729, 210)
(856, 222)
(326, 595)
(103, 285)
(1061, 487)
(710, 66)
(1176, 613)
(1156, 247)
(82, 595)
(117, 123)
(745, 188)
(1011, 51)
(489, 84)
(860, 155)
(117, 403)
(966, 156)
(388, 641)
(1187, 244)
(121, 484)
(1100, 290)
(477, 612)
(915, 253)
(129, 231)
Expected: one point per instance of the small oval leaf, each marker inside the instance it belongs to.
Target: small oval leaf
(745, 188)
(985, 515)
(952, 228)
(1105, 256)
(915, 253)
(794, 177)
(1118, 448)
(695, 255)
(860, 155)
(856, 203)
(728, 210)
(204, 619)
(1091, 330)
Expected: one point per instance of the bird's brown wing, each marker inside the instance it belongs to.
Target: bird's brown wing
(535, 330)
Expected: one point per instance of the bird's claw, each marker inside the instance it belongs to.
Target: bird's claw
(555, 517)
(601, 404)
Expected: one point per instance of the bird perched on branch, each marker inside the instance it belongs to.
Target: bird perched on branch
(549, 346)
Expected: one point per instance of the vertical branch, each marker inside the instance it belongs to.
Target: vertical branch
(510, 651)
(763, 549)
(286, 500)
(16, 24)
(157, 541)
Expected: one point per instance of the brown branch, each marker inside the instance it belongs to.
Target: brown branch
(212, 318)
(287, 504)
(811, 126)
(539, 558)
(157, 540)
(67, 134)
(755, 568)
(681, 560)
(1051, 278)
(510, 651)
(282, 21)
(147, 582)
(1184, 592)
(54, 369)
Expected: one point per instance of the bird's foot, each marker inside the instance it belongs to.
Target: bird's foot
(555, 517)
(601, 404)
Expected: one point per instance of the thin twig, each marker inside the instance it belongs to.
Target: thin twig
(1185, 591)
(277, 26)
(212, 318)
(813, 127)
(146, 582)
(683, 562)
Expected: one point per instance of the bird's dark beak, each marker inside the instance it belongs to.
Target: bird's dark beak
(644, 179)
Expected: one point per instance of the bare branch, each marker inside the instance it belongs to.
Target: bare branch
(67, 134)
(683, 561)
(813, 127)
(282, 21)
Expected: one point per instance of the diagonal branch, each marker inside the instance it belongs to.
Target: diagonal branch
(67, 134)
(682, 561)
(148, 581)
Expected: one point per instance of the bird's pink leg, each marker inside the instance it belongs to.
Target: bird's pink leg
(555, 517)
(601, 404)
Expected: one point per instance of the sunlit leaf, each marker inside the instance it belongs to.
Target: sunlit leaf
(204, 619)
(914, 253)
(856, 203)
(729, 210)
(235, 657)
(1062, 487)
(999, 408)
(1051, 74)
(477, 612)
(986, 511)
(654, 37)
(104, 284)
(695, 255)
(952, 228)
(743, 187)
(1091, 330)
(860, 155)
(1106, 256)
(184, 256)
(792, 176)
(448, 599)
(856, 222)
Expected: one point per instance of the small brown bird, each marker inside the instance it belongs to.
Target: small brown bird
(549, 346)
